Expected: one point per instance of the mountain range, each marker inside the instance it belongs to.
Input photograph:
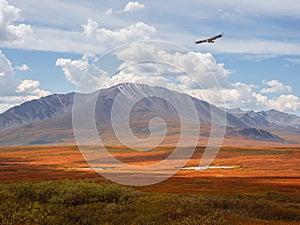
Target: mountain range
(267, 118)
(48, 120)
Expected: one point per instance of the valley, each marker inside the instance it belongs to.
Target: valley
(254, 178)
(255, 169)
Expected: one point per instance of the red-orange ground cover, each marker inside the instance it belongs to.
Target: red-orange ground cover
(256, 169)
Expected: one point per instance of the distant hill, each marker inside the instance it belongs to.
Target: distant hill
(257, 134)
(36, 110)
(48, 120)
(267, 118)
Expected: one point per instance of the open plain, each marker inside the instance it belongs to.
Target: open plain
(254, 169)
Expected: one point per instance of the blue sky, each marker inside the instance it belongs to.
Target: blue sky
(46, 47)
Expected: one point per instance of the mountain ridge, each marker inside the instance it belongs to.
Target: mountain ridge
(49, 119)
(267, 118)
(36, 110)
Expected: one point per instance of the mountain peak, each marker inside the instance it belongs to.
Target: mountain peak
(268, 118)
(36, 110)
(54, 113)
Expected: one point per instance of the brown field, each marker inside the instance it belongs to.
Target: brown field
(256, 169)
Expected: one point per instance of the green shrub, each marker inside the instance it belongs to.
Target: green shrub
(84, 203)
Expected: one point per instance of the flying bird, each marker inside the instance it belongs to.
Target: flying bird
(209, 40)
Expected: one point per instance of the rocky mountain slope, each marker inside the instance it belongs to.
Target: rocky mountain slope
(49, 120)
(267, 118)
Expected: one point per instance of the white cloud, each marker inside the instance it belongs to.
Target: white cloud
(130, 7)
(88, 40)
(7, 81)
(14, 91)
(191, 69)
(65, 41)
(133, 6)
(289, 103)
(90, 29)
(73, 70)
(244, 96)
(190, 72)
(137, 31)
(83, 72)
(204, 78)
(29, 87)
(177, 71)
(239, 95)
(24, 67)
(60, 32)
(11, 32)
(275, 86)
(286, 103)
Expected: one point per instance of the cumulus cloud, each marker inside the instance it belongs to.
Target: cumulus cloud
(276, 86)
(14, 91)
(133, 6)
(144, 63)
(201, 76)
(290, 103)
(197, 74)
(191, 69)
(83, 72)
(286, 103)
(73, 69)
(28, 87)
(24, 67)
(137, 31)
(12, 32)
(245, 96)
(239, 95)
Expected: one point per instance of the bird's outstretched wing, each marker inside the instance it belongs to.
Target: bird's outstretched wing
(209, 40)
(201, 41)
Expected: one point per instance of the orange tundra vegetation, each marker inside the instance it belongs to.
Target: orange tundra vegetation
(255, 169)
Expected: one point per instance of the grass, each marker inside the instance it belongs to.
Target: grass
(259, 151)
(88, 203)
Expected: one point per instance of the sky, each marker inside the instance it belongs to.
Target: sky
(64, 46)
